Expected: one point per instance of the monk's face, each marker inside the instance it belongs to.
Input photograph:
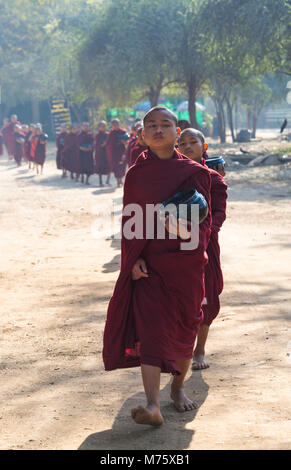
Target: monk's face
(160, 130)
(14, 118)
(102, 128)
(191, 146)
(85, 127)
(115, 126)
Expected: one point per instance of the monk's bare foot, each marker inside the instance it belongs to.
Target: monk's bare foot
(199, 362)
(150, 415)
(181, 402)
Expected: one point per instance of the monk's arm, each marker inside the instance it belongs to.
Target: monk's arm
(218, 202)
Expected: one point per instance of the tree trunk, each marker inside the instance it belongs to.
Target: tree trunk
(154, 92)
(254, 127)
(154, 95)
(249, 119)
(235, 118)
(192, 93)
(221, 119)
(230, 118)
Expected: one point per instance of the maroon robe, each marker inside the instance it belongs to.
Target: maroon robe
(115, 151)
(86, 157)
(213, 272)
(70, 156)
(40, 150)
(60, 147)
(19, 141)
(155, 320)
(135, 152)
(101, 160)
(1, 144)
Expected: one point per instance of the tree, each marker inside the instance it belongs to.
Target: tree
(243, 41)
(131, 54)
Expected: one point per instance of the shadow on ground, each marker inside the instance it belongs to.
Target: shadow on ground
(126, 434)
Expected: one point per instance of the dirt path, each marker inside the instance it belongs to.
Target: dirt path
(56, 279)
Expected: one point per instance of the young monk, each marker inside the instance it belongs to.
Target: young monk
(19, 141)
(101, 160)
(139, 147)
(155, 311)
(25, 130)
(115, 148)
(39, 148)
(60, 147)
(85, 148)
(28, 145)
(70, 158)
(9, 135)
(192, 144)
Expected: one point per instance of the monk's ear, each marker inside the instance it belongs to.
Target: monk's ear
(178, 131)
(205, 147)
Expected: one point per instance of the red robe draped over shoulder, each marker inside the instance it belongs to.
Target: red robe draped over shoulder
(155, 320)
(115, 150)
(213, 272)
(101, 159)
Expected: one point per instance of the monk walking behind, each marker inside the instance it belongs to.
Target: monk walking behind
(155, 311)
(101, 159)
(86, 144)
(116, 148)
(192, 144)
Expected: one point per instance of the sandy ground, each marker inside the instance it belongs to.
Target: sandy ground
(56, 280)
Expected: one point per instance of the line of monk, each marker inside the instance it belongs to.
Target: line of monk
(165, 298)
(23, 142)
(82, 154)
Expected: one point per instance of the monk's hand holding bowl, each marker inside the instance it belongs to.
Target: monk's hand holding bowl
(220, 169)
(180, 227)
(139, 270)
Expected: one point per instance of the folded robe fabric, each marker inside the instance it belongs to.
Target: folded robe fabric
(213, 272)
(155, 320)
